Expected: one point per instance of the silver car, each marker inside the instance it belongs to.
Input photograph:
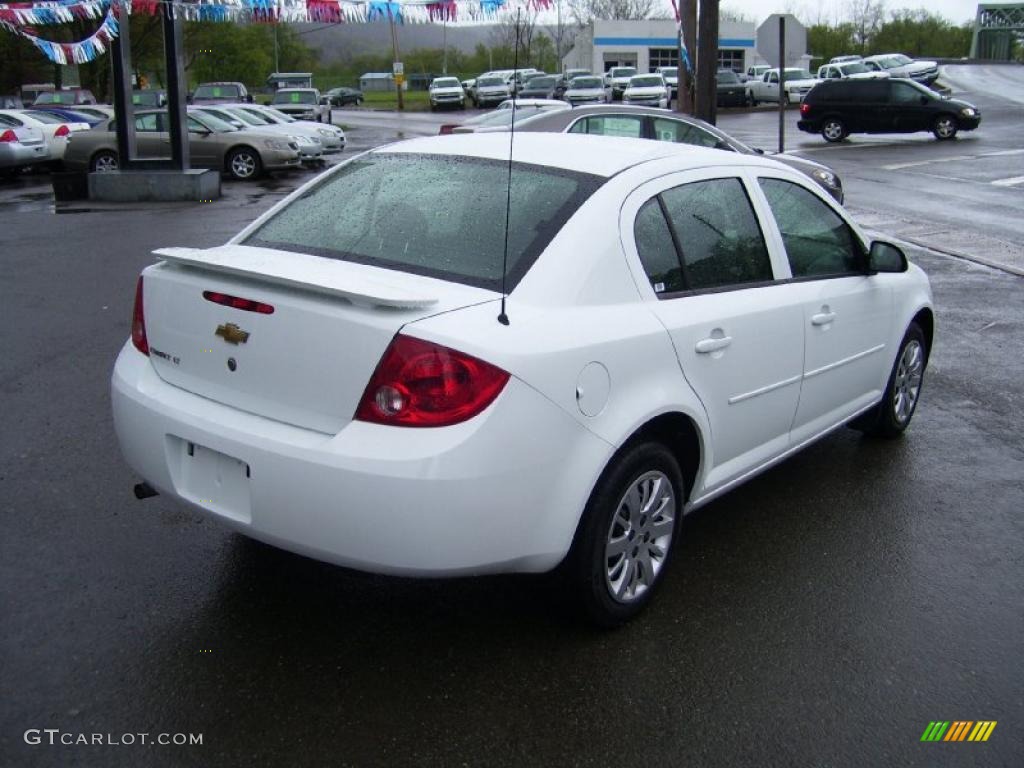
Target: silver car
(20, 147)
(311, 149)
(662, 125)
(331, 136)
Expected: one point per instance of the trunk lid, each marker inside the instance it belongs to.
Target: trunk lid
(306, 363)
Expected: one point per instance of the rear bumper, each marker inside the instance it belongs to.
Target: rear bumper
(500, 493)
(16, 155)
(809, 126)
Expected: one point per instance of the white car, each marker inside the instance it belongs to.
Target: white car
(853, 70)
(21, 146)
(587, 89)
(671, 75)
(446, 92)
(311, 148)
(617, 78)
(368, 375)
(331, 136)
(56, 132)
(647, 90)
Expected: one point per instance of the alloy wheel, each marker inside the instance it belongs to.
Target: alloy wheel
(907, 385)
(639, 536)
(833, 130)
(243, 165)
(945, 127)
(105, 163)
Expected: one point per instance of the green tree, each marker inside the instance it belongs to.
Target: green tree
(825, 41)
(920, 33)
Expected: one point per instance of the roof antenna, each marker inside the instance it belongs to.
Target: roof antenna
(502, 316)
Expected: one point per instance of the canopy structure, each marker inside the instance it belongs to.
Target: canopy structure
(995, 29)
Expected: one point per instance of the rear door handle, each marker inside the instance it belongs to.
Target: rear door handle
(823, 318)
(704, 346)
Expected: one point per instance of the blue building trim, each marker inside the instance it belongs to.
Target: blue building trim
(670, 42)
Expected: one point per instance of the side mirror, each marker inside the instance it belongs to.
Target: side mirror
(248, 98)
(886, 257)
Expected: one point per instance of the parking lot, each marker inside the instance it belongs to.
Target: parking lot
(822, 614)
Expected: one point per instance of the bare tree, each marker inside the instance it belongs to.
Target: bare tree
(516, 30)
(867, 17)
(585, 11)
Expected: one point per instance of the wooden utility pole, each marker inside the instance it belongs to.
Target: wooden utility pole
(707, 60)
(688, 17)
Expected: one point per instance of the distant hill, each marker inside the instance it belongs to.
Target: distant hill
(342, 42)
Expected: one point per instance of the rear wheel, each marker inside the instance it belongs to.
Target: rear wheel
(626, 534)
(244, 163)
(104, 161)
(945, 127)
(833, 129)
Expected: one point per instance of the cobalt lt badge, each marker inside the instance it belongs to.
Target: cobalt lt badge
(232, 334)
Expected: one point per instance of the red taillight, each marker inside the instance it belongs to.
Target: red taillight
(420, 384)
(139, 322)
(62, 130)
(8, 136)
(447, 129)
(805, 108)
(237, 303)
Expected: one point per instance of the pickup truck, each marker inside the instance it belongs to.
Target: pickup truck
(798, 83)
(617, 78)
(302, 104)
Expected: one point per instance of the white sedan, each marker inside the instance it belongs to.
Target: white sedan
(372, 375)
(56, 132)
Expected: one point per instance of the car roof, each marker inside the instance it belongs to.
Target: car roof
(596, 155)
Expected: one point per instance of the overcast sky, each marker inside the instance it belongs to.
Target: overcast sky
(957, 11)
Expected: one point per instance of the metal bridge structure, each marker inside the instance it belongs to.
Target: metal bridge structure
(998, 30)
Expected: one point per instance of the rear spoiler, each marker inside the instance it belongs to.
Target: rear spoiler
(301, 270)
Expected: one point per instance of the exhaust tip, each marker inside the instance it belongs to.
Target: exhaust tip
(144, 491)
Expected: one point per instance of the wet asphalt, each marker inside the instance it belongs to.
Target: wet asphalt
(821, 615)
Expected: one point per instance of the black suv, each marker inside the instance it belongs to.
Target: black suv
(838, 108)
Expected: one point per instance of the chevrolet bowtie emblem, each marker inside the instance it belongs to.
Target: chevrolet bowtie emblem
(232, 334)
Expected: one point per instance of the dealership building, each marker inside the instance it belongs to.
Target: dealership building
(649, 44)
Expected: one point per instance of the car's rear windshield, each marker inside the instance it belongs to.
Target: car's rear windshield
(56, 98)
(216, 92)
(294, 97)
(623, 72)
(45, 117)
(439, 216)
(586, 82)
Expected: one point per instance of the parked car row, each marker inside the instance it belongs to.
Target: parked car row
(243, 140)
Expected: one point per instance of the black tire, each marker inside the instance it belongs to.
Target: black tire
(359, 102)
(891, 417)
(244, 157)
(833, 129)
(587, 566)
(104, 160)
(945, 127)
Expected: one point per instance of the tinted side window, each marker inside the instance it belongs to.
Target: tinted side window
(718, 234)
(611, 125)
(657, 251)
(871, 91)
(901, 93)
(682, 133)
(146, 123)
(817, 240)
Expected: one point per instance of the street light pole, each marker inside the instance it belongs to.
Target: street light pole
(444, 43)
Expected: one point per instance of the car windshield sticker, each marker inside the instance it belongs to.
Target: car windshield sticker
(295, 98)
(136, 99)
(217, 92)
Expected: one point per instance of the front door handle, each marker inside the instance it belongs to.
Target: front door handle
(704, 346)
(823, 318)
